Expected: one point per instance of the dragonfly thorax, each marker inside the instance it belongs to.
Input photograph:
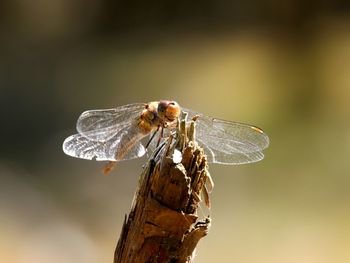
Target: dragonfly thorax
(149, 120)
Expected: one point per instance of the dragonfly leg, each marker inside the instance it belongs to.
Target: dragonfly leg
(152, 137)
(160, 135)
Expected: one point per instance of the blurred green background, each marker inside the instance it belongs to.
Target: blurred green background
(281, 65)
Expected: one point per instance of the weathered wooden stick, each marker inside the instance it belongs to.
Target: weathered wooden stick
(163, 225)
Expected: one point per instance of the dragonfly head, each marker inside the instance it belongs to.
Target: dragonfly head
(168, 110)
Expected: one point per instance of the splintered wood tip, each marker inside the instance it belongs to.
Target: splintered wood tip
(163, 223)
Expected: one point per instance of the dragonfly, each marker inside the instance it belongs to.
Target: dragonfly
(116, 134)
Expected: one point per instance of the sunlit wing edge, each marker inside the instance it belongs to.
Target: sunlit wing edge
(72, 143)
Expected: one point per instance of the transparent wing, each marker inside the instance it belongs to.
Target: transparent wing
(229, 142)
(124, 145)
(102, 125)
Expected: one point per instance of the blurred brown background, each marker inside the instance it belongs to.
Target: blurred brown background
(281, 65)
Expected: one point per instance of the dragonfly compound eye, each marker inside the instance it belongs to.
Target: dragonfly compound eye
(162, 107)
(168, 110)
(172, 111)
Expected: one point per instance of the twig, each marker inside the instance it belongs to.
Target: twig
(163, 225)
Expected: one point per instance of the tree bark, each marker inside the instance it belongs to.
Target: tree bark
(163, 225)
